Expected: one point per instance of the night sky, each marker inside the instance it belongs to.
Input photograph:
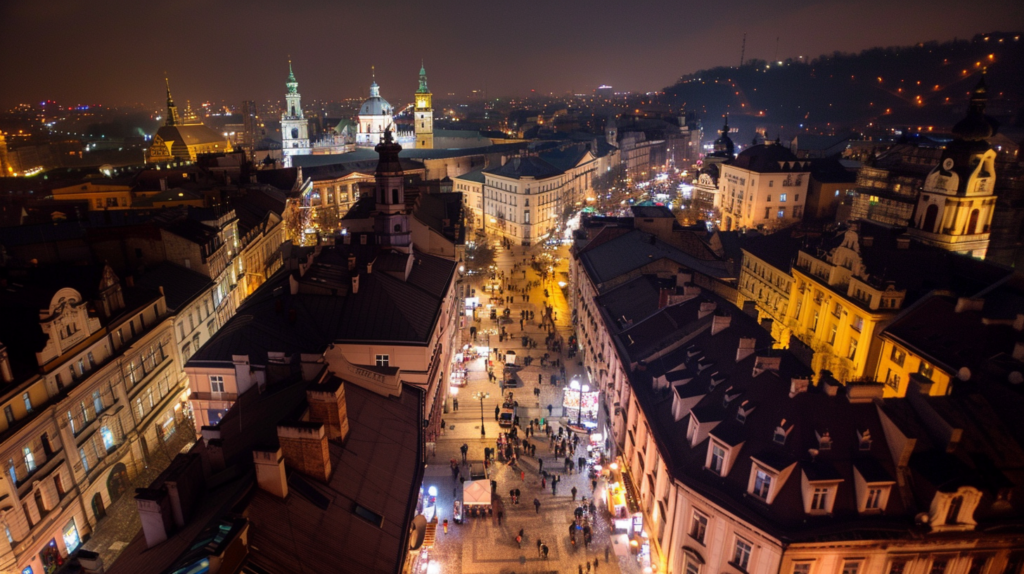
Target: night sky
(116, 51)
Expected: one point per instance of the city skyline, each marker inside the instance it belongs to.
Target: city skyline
(599, 46)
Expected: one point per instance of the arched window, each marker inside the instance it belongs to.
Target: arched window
(394, 196)
(929, 217)
(398, 227)
(295, 133)
(953, 513)
(293, 110)
(972, 223)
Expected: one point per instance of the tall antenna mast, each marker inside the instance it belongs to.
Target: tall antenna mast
(743, 48)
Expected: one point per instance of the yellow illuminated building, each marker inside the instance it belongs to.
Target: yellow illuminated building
(837, 309)
(177, 141)
(101, 195)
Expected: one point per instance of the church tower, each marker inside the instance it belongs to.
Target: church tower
(955, 207)
(391, 221)
(294, 128)
(424, 114)
(172, 110)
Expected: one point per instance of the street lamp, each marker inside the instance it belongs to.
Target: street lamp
(481, 396)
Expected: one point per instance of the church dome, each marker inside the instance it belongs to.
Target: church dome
(375, 105)
(723, 145)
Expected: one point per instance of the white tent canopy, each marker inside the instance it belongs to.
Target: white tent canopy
(476, 492)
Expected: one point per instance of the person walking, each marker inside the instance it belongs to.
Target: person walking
(517, 496)
(596, 561)
(573, 491)
(544, 550)
(538, 546)
(593, 485)
(540, 461)
(455, 403)
(536, 504)
(497, 411)
(464, 449)
(522, 475)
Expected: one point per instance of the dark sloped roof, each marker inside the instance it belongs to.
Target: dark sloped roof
(632, 250)
(529, 166)
(191, 135)
(180, 285)
(766, 158)
(475, 176)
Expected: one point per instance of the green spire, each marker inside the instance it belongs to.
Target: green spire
(292, 84)
(423, 80)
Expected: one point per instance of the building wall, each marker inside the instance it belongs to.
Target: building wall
(896, 364)
(523, 210)
(93, 429)
(769, 288)
(749, 199)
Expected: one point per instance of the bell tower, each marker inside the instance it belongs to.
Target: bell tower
(424, 113)
(391, 222)
(294, 128)
(955, 207)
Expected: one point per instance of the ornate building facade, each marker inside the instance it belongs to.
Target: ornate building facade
(424, 114)
(179, 141)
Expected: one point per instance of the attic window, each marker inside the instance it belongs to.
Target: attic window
(864, 439)
(781, 432)
(824, 440)
(368, 515)
(744, 411)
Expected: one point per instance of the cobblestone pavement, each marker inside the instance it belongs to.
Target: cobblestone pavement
(112, 533)
(481, 545)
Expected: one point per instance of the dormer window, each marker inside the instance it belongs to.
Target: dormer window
(824, 440)
(716, 458)
(744, 411)
(762, 484)
(821, 498)
(864, 439)
(781, 432)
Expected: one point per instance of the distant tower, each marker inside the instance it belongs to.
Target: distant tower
(391, 222)
(611, 131)
(6, 170)
(955, 207)
(294, 128)
(172, 110)
(424, 114)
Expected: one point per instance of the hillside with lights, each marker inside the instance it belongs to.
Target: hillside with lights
(921, 88)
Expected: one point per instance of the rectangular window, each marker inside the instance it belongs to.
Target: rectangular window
(898, 356)
(28, 401)
(782, 198)
(925, 370)
(771, 183)
(857, 322)
(832, 335)
(85, 461)
(797, 197)
(874, 500)
(741, 554)
(782, 213)
(814, 324)
(769, 198)
(853, 349)
(71, 422)
(30, 459)
(767, 212)
(939, 566)
(801, 568)
(383, 360)
(897, 566)
(762, 484)
(97, 402)
(820, 500)
(717, 458)
(216, 383)
(9, 413)
(851, 567)
(698, 526)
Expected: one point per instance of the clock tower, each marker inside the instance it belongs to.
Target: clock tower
(294, 128)
(955, 207)
(424, 114)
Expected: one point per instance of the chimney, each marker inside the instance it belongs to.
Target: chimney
(369, 267)
(163, 184)
(864, 392)
(355, 283)
(867, 241)
(154, 513)
(767, 324)
(270, 473)
(327, 405)
(968, 304)
(213, 454)
(750, 308)
(6, 374)
(797, 386)
(762, 364)
(828, 383)
(663, 297)
(746, 348)
(706, 308)
(304, 446)
(719, 323)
